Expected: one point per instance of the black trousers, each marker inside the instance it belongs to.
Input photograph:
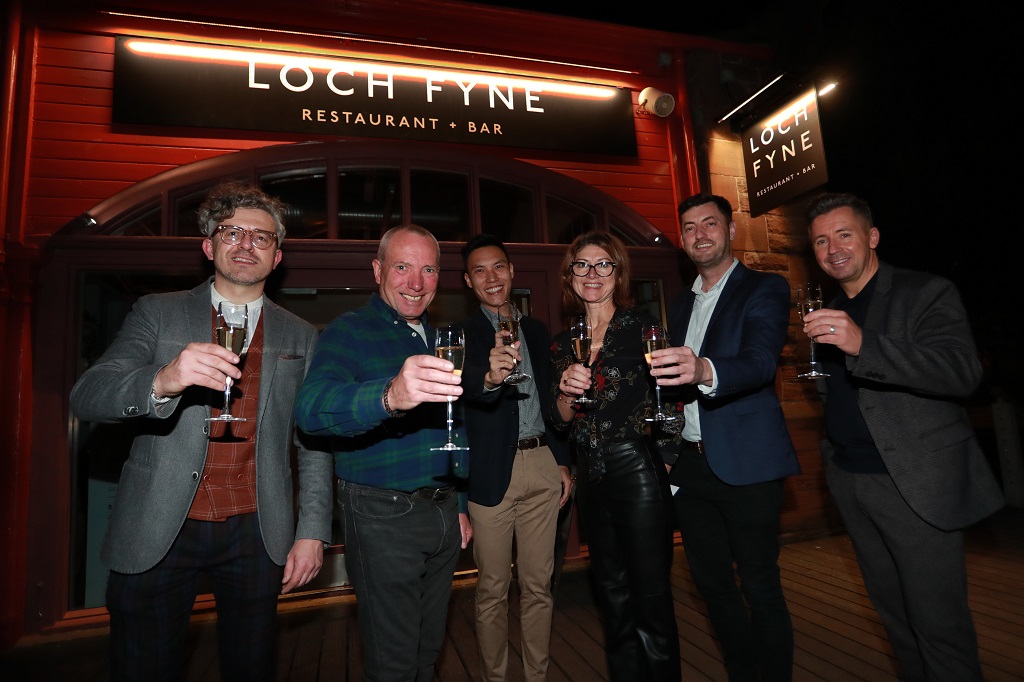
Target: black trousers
(732, 532)
(627, 519)
(150, 611)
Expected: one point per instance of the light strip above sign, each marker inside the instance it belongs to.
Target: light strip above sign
(228, 55)
(792, 111)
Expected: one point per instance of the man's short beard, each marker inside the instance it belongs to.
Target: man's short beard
(242, 282)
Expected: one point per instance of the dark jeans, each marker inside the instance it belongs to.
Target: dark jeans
(150, 611)
(916, 576)
(400, 552)
(722, 525)
(627, 517)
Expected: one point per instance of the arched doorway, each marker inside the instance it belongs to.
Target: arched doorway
(343, 195)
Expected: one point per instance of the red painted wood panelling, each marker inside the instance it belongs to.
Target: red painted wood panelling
(76, 151)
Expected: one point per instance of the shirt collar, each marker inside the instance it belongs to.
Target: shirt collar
(389, 313)
(493, 316)
(698, 283)
(216, 299)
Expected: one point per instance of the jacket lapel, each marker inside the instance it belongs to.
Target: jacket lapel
(199, 314)
(273, 342)
(877, 309)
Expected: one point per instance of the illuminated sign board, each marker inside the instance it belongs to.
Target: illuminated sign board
(167, 83)
(783, 155)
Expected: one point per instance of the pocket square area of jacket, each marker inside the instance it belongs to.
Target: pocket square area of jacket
(290, 357)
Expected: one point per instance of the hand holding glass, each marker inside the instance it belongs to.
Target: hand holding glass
(510, 323)
(230, 332)
(655, 338)
(450, 345)
(808, 299)
(579, 340)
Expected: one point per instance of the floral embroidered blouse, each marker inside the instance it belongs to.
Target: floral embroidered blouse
(622, 386)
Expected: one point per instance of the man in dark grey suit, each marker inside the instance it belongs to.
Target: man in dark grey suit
(901, 458)
(199, 497)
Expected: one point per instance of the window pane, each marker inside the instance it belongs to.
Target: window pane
(506, 211)
(440, 203)
(186, 213)
(628, 237)
(369, 202)
(649, 296)
(146, 225)
(567, 221)
(100, 450)
(306, 196)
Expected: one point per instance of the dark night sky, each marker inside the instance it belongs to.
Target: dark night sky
(921, 126)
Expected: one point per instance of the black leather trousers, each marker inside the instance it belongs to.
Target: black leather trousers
(627, 522)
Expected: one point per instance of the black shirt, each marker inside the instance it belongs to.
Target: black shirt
(855, 450)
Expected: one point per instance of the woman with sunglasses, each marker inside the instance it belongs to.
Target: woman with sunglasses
(623, 492)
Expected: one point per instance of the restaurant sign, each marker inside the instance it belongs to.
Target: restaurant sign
(783, 154)
(171, 83)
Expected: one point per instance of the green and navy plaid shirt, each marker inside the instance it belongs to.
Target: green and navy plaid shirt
(341, 396)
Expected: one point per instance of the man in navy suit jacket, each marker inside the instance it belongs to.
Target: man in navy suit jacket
(519, 473)
(728, 331)
(901, 459)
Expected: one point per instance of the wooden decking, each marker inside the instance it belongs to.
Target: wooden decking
(838, 635)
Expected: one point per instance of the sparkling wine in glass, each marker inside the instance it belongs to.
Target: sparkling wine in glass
(655, 338)
(808, 299)
(229, 332)
(510, 324)
(579, 340)
(450, 344)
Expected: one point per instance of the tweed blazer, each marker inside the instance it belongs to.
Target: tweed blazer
(492, 417)
(168, 453)
(917, 358)
(742, 425)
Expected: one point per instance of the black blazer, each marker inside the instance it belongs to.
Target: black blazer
(917, 361)
(492, 417)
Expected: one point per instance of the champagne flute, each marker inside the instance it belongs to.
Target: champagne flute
(450, 344)
(230, 332)
(655, 338)
(579, 340)
(510, 323)
(808, 298)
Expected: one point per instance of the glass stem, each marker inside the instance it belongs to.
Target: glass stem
(450, 420)
(814, 358)
(657, 395)
(227, 395)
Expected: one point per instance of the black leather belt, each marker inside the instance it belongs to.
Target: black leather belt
(532, 442)
(433, 494)
(698, 446)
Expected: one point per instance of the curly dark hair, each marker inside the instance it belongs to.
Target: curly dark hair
(226, 198)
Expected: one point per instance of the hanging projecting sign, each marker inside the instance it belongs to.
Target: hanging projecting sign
(783, 155)
(184, 84)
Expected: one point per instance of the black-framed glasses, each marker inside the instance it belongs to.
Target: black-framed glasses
(582, 268)
(232, 234)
